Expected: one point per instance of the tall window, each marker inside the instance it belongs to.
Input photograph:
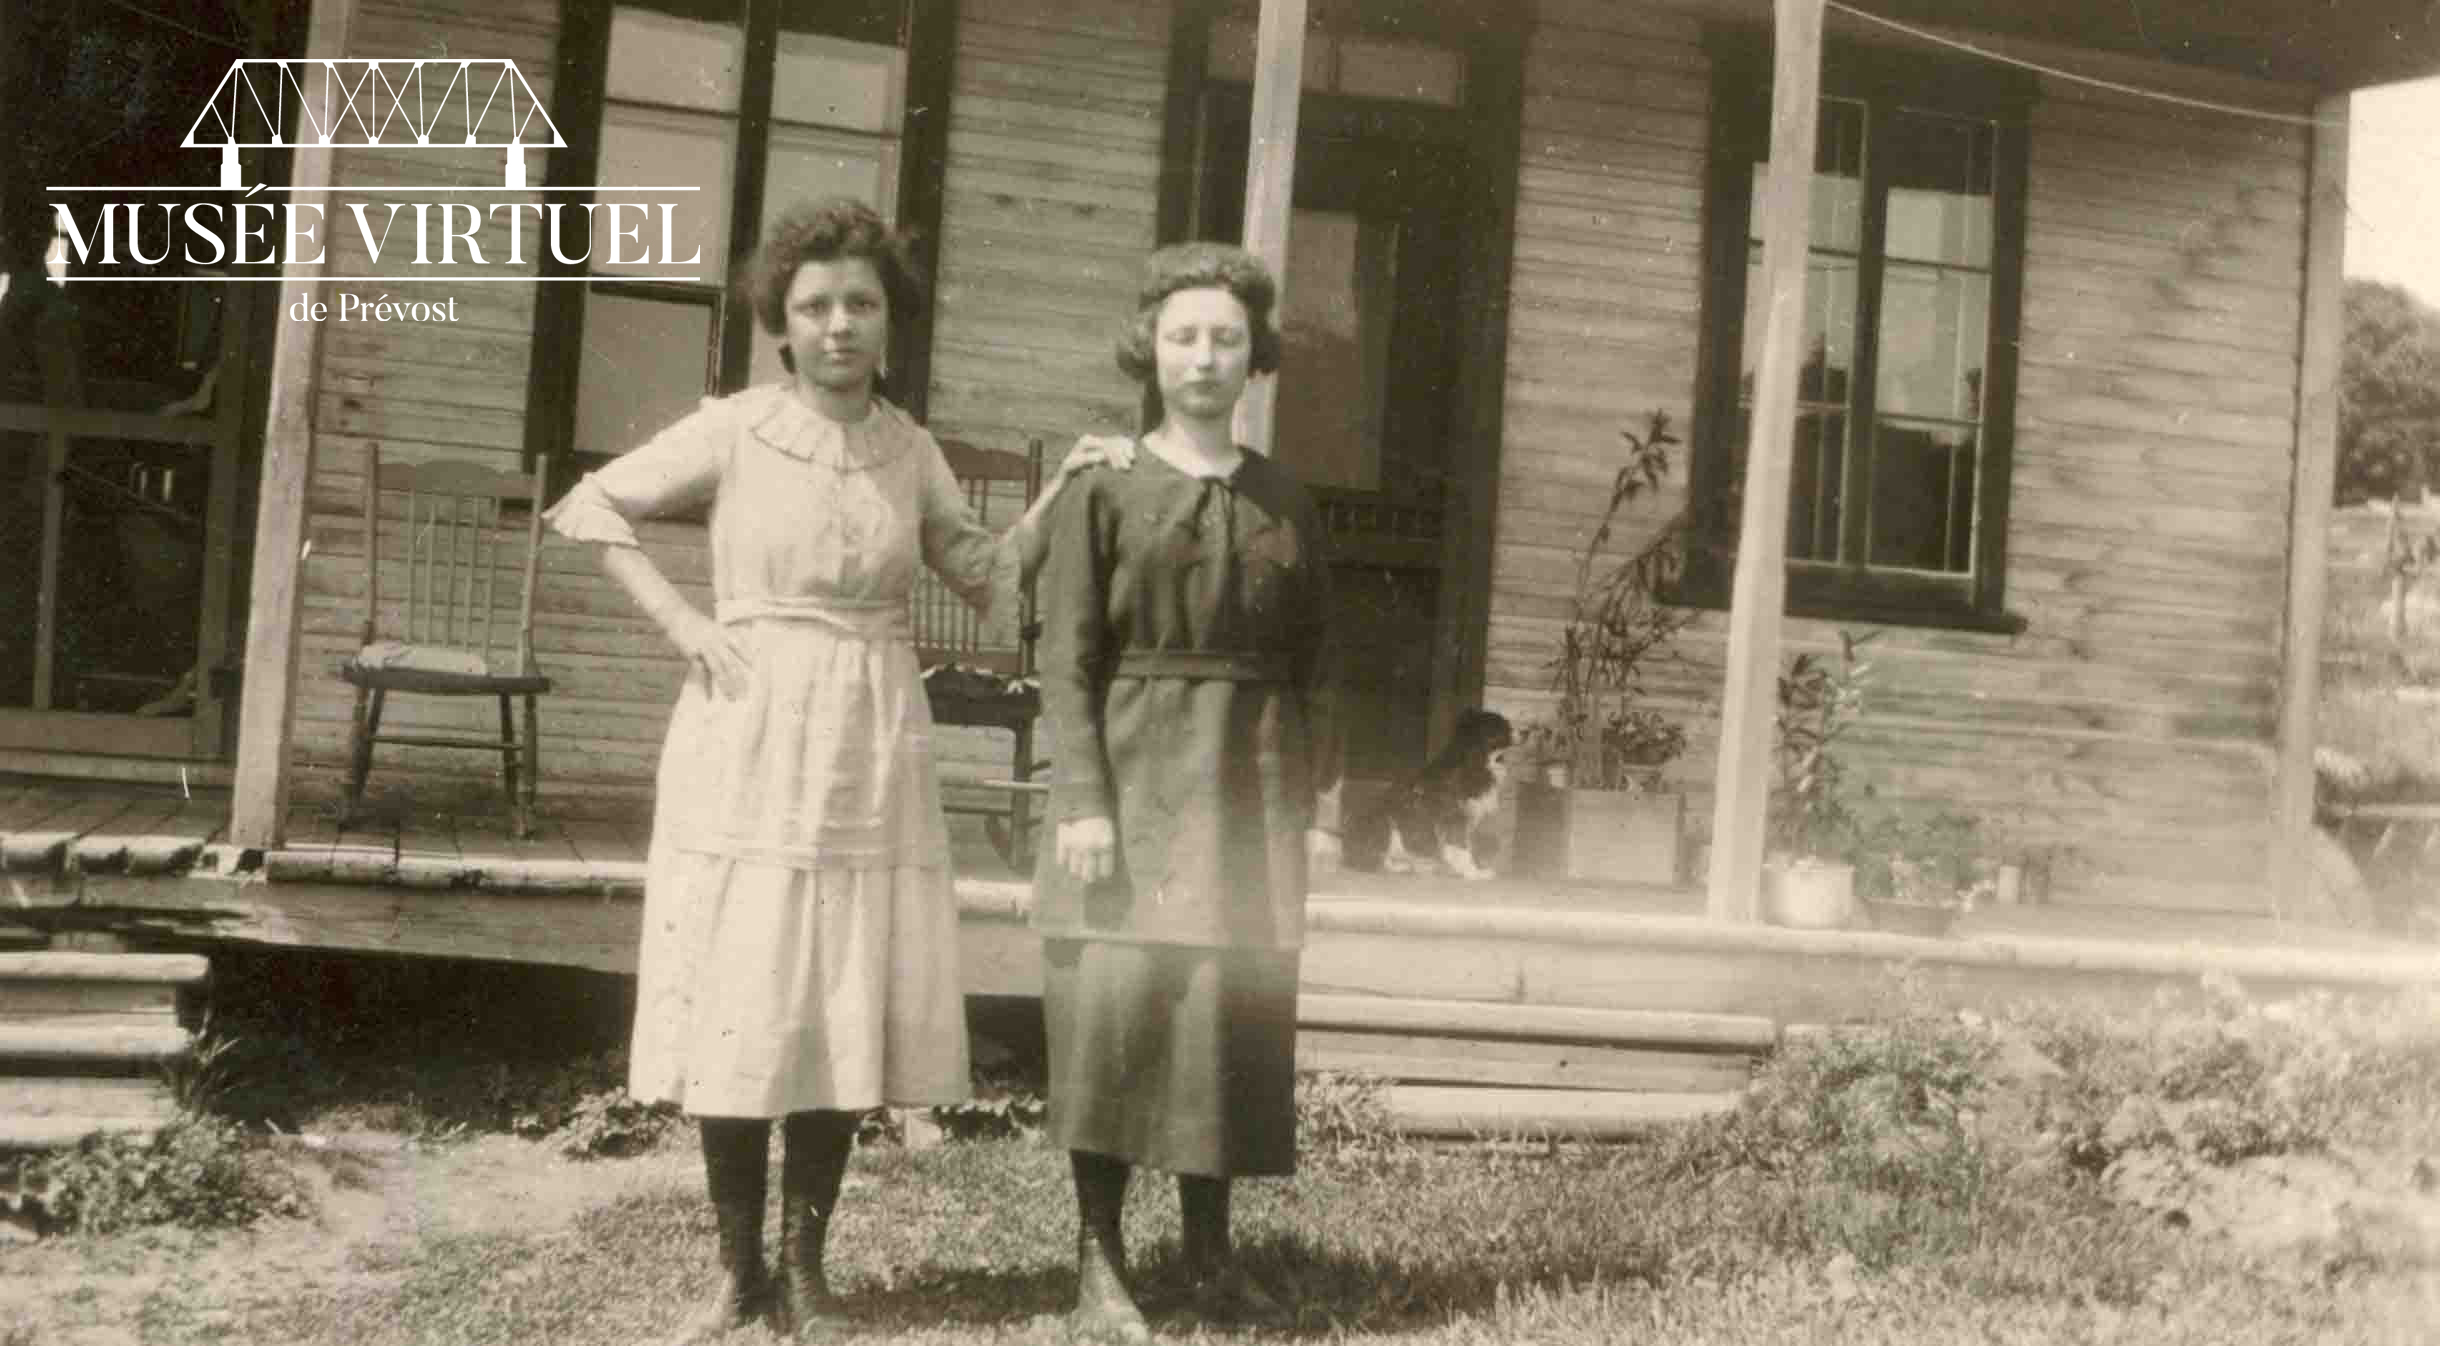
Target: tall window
(759, 103)
(1898, 498)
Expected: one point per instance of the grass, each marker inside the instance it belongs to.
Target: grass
(967, 1244)
(1913, 1184)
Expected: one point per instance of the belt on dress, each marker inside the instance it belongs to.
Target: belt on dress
(1209, 665)
(877, 620)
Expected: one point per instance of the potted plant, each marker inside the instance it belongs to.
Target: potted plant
(1592, 802)
(1808, 879)
(1917, 871)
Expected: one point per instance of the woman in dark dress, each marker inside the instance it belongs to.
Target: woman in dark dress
(1183, 671)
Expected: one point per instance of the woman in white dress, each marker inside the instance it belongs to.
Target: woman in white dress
(799, 949)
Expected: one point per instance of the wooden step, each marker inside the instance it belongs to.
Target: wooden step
(1432, 1110)
(79, 1039)
(137, 1098)
(1745, 1033)
(1420, 1059)
(175, 969)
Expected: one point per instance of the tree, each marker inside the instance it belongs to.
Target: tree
(2388, 394)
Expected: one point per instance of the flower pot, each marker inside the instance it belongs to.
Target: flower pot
(1911, 918)
(1619, 836)
(1808, 894)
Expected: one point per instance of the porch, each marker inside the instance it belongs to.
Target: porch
(152, 862)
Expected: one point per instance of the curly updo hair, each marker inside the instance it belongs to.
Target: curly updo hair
(827, 231)
(1201, 266)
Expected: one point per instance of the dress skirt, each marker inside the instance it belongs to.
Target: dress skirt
(1173, 1057)
(799, 944)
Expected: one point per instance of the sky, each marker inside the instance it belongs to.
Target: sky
(2393, 187)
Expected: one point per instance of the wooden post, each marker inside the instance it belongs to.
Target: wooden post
(268, 696)
(2291, 859)
(1751, 694)
(1270, 178)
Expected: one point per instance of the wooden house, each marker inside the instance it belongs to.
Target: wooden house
(2053, 414)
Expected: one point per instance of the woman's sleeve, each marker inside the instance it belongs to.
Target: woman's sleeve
(1072, 593)
(976, 563)
(1314, 666)
(675, 469)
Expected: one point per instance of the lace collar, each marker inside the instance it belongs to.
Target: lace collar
(784, 422)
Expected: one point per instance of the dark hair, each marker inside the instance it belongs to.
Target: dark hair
(826, 231)
(1200, 266)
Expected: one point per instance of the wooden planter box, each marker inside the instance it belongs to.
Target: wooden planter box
(1621, 836)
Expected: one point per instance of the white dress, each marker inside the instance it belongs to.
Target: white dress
(799, 944)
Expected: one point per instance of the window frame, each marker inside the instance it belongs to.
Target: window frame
(1884, 81)
(927, 34)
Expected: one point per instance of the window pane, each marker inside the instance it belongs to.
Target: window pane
(1934, 332)
(1838, 181)
(1335, 329)
(1231, 54)
(1923, 479)
(1412, 71)
(646, 148)
(827, 81)
(1940, 189)
(1817, 469)
(642, 368)
(1830, 295)
(690, 53)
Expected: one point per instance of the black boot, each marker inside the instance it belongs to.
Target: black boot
(735, 1151)
(1105, 1313)
(1222, 1293)
(810, 1172)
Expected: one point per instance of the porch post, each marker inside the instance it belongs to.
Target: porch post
(267, 697)
(2291, 859)
(1270, 178)
(1751, 692)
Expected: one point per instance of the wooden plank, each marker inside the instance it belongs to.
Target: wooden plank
(85, 1041)
(1760, 585)
(261, 797)
(1467, 1018)
(2317, 389)
(179, 969)
(1518, 1064)
(43, 846)
(1434, 1110)
(175, 843)
(105, 846)
(48, 1097)
(112, 1000)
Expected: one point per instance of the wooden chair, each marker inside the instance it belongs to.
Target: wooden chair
(461, 630)
(970, 677)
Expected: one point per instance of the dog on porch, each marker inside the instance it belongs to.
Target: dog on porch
(1434, 818)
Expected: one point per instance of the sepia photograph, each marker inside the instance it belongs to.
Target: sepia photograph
(1393, 672)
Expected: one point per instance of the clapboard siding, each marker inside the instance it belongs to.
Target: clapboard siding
(2131, 723)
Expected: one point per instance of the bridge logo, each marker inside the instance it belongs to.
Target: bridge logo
(368, 103)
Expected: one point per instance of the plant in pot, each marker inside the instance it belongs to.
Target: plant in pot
(1808, 876)
(1918, 870)
(1591, 803)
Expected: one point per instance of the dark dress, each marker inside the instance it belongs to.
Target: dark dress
(1183, 669)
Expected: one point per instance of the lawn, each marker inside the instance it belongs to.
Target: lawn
(2216, 1171)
